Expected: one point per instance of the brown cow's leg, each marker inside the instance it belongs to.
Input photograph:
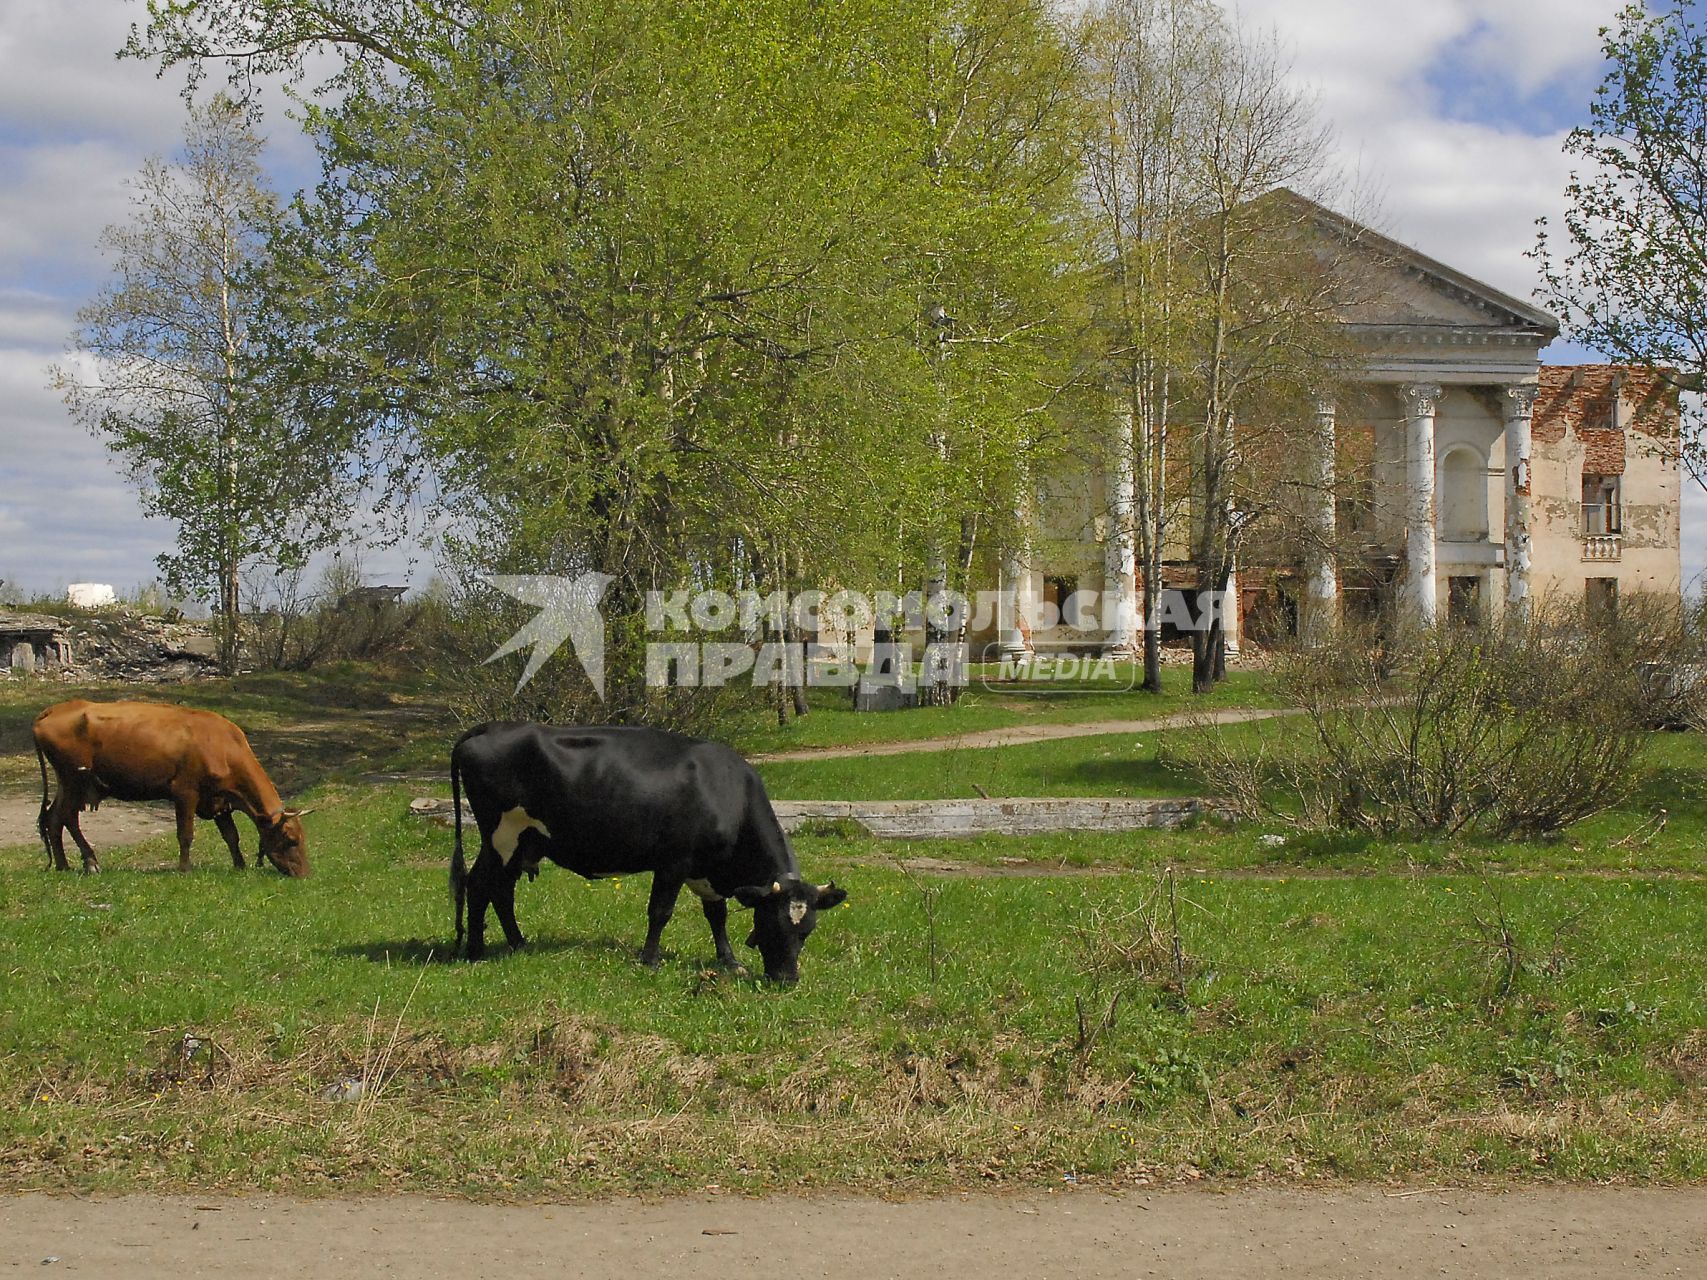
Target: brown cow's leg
(186, 829)
(228, 828)
(659, 908)
(90, 863)
(56, 832)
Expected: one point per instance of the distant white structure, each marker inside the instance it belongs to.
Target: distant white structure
(90, 595)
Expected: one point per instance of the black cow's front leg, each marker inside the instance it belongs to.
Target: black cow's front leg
(504, 903)
(717, 916)
(658, 912)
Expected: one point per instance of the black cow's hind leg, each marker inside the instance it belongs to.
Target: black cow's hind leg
(504, 903)
(658, 911)
(717, 916)
(479, 894)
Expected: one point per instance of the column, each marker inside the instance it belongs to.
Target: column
(1119, 549)
(1014, 606)
(1519, 404)
(1322, 588)
(1418, 400)
(1230, 611)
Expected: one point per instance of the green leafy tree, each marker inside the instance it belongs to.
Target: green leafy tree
(165, 373)
(1630, 278)
(643, 291)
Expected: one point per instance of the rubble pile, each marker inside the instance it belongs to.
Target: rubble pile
(127, 646)
(121, 645)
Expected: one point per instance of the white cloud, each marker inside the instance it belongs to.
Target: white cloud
(1467, 193)
(32, 319)
(58, 201)
(58, 70)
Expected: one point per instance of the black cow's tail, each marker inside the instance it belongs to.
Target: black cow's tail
(41, 818)
(458, 867)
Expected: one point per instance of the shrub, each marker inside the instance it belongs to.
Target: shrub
(1514, 729)
(338, 620)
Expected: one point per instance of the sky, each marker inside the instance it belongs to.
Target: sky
(1452, 112)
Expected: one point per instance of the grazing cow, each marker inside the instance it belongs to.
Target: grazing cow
(611, 801)
(146, 751)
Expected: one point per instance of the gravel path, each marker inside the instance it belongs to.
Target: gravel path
(1015, 735)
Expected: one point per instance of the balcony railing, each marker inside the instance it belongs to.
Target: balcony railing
(1603, 546)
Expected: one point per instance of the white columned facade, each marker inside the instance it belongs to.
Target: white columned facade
(1322, 584)
(1419, 400)
(1120, 549)
(1519, 406)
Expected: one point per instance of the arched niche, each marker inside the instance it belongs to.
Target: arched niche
(1461, 496)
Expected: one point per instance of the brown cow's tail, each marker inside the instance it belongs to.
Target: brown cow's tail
(41, 818)
(458, 867)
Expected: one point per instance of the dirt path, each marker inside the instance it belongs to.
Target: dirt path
(112, 825)
(1248, 1233)
(1017, 735)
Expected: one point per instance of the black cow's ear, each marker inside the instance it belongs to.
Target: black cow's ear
(752, 894)
(830, 896)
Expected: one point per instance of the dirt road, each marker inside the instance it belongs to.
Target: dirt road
(1248, 1233)
(1017, 735)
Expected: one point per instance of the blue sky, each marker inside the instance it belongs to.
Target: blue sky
(1450, 111)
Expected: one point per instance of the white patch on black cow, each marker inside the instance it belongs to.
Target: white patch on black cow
(796, 911)
(509, 832)
(704, 890)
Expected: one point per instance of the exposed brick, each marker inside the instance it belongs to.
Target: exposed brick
(1579, 401)
(1603, 452)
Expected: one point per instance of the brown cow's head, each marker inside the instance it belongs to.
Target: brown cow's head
(284, 845)
(784, 913)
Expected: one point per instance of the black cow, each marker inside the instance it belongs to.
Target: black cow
(608, 801)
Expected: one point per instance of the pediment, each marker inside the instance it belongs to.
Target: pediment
(1390, 286)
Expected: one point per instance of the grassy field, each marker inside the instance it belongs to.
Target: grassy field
(1337, 1009)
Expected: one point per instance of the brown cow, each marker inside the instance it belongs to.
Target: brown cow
(199, 761)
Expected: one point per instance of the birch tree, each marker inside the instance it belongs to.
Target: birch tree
(164, 376)
(1264, 321)
(1149, 63)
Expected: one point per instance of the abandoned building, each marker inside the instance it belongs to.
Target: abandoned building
(33, 642)
(1456, 475)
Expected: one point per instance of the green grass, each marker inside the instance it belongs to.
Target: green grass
(1344, 1012)
(1100, 765)
(1345, 1027)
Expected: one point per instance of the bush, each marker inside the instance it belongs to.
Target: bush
(1515, 729)
(339, 620)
